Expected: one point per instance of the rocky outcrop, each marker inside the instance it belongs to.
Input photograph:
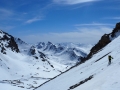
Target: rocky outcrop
(102, 43)
(115, 30)
(12, 44)
(7, 41)
(32, 50)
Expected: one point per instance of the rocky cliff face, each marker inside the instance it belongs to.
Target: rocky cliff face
(102, 43)
(7, 41)
(105, 39)
(115, 30)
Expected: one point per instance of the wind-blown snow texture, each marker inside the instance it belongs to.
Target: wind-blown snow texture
(24, 66)
(94, 74)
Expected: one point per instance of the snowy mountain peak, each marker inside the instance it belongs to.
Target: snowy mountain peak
(40, 45)
(49, 43)
(50, 47)
(19, 41)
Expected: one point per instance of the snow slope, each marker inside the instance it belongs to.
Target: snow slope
(27, 69)
(94, 74)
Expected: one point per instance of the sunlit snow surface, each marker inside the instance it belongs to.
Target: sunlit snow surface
(29, 71)
(104, 77)
(24, 71)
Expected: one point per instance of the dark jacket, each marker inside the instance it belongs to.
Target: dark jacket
(110, 57)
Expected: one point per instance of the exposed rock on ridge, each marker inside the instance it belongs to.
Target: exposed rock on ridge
(105, 39)
(10, 42)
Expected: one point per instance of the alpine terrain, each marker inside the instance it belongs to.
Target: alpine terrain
(93, 72)
(25, 66)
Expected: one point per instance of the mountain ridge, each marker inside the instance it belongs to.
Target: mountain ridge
(105, 40)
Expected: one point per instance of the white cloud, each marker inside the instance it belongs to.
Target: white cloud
(95, 24)
(82, 35)
(33, 20)
(4, 13)
(71, 2)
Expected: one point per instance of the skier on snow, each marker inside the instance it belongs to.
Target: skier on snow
(109, 58)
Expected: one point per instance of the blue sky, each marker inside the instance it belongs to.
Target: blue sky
(78, 21)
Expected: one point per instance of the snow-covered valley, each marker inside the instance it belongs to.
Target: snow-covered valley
(24, 66)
